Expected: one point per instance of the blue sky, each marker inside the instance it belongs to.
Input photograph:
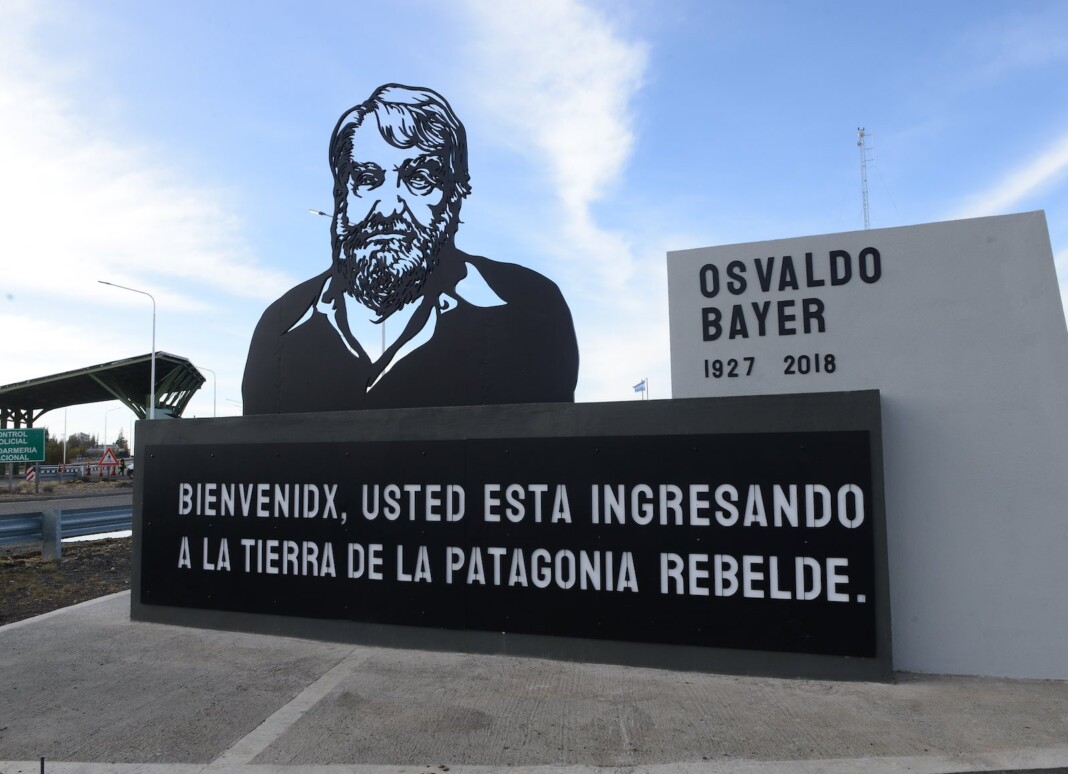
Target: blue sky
(176, 148)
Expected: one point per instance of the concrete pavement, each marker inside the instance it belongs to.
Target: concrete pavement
(93, 692)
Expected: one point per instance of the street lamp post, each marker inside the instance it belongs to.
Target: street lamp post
(214, 384)
(106, 423)
(152, 386)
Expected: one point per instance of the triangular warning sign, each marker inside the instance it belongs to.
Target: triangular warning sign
(108, 458)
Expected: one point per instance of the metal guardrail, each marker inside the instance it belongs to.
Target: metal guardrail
(92, 521)
(79, 469)
(50, 526)
(20, 528)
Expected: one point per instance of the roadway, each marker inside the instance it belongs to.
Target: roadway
(14, 505)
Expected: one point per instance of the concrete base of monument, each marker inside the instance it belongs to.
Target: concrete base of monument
(735, 535)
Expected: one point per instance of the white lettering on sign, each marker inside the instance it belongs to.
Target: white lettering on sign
(22, 444)
(421, 502)
(287, 501)
(540, 568)
(756, 577)
(288, 557)
(780, 505)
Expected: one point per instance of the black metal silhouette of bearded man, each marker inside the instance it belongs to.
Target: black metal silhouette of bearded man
(403, 318)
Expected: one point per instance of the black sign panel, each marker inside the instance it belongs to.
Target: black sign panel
(755, 541)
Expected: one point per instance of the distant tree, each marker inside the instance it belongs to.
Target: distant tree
(120, 442)
(84, 440)
(78, 444)
(53, 451)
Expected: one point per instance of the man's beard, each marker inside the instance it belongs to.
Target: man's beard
(389, 271)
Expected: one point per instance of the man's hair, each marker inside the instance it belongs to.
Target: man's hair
(408, 117)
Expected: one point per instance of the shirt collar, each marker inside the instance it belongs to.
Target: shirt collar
(472, 289)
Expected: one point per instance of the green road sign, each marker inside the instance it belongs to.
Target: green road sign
(22, 444)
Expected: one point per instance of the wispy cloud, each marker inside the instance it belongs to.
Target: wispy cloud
(1023, 37)
(78, 203)
(82, 198)
(559, 82)
(562, 80)
(1015, 188)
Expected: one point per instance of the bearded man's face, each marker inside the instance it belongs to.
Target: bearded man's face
(396, 217)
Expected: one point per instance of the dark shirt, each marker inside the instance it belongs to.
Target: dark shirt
(521, 350)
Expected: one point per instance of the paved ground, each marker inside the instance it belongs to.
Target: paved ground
(93, 692)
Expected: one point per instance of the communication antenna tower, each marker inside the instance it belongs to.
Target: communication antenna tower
(863, 173)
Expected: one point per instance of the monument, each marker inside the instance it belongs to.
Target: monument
(960, 327)
(412, 469)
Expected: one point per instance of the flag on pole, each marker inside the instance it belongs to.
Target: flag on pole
(640, 386)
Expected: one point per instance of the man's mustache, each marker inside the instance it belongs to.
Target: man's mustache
(383, 225)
